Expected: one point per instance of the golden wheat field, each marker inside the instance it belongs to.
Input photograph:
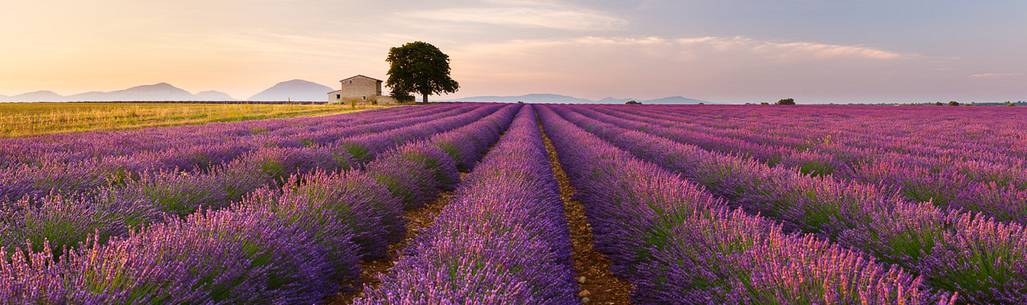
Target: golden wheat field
(25, 119)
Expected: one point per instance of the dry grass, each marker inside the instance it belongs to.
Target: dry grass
(25, 119)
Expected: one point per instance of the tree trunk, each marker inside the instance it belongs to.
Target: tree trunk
(424, 98)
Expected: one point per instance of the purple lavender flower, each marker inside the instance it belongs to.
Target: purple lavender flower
(501, 240)
(248, 256)
(679, 244)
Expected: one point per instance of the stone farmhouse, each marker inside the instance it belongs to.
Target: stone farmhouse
(360, 89)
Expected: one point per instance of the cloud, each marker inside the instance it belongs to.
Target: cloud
(737, 45)
(996, 76)
(779, 50)
(524, 13)
(707, 66)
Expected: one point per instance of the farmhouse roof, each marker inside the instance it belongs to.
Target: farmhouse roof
(359, 75)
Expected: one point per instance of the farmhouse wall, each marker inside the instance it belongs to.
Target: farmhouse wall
(360, 87)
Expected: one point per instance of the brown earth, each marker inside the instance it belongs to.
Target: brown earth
(371, 271)
(598, 284)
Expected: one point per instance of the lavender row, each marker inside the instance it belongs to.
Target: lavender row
(974, 255)
(74, 177)
(996, 190)
(63, 148)
(928, 142)
(982, 133)
(67, 221)
(412, 189)
(847, 139)
(372, 201)
(501, 240)
(678, 244)
(289, 246)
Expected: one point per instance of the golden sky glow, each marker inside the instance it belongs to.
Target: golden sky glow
(591, 49)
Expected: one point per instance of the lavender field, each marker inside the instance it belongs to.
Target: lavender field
(469, 203)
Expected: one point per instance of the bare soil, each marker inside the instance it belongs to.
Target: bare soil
(372, 271)
(599, 285)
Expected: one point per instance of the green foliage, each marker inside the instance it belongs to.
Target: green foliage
(357, 151)
(173, 200)
(452, 151)
(396, 188)
(273, 168)
(401, 96)
(816, 168)
(787, 101)
(419, 67)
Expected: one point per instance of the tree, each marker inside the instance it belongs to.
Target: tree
(953, 103)
(419, 67)
(402, 96)
(787, 101)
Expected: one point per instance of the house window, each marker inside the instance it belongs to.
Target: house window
(338, 96)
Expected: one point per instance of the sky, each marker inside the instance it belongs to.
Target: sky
(720, 50)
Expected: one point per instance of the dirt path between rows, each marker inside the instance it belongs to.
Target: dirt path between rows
(598, 285)
(416, 221)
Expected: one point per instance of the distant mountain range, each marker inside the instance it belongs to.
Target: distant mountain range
(155, 92)
(556, 98)
(295, 90)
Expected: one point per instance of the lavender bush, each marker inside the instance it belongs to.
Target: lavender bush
(680, 244)
(916, 235)
(501, 240)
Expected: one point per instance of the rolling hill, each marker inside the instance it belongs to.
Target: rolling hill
(293, 90)
(145, 93)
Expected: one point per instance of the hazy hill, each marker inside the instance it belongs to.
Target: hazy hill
(36, 96)
(295, 90)
(213, 96)
(527, 98)
(155, 92)
(676, 100)
(556, 98)
(612, 100)
(300, 90)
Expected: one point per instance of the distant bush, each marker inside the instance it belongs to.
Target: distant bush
(633, 102)
(787, 101)
(402, 97)
(953, 103)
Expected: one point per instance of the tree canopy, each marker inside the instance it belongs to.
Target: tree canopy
(421, 68)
